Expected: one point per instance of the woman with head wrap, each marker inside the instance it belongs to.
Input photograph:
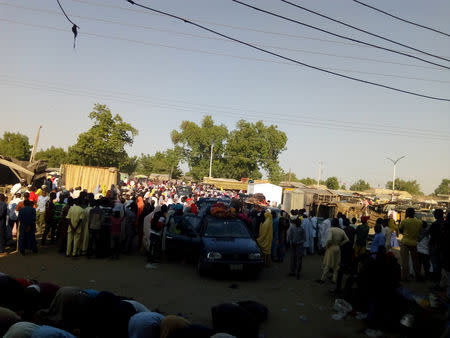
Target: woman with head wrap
(145, 324)
(68, 309)
(21, 330)
(170, 325)
(264, 239)
(51, 332)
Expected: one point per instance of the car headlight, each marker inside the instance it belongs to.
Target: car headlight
(213, 255)
(255, 255)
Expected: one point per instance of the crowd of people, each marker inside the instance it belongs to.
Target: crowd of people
(134, 216)
(33, 309)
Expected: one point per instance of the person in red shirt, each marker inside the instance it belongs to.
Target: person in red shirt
(33, 197)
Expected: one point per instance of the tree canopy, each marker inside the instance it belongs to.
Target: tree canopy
(332, 183)
(443, 188)
(360, 185)
(242, 152)
(166, 162)
(104, 143)
(53, 156)
(15, 145)
(410, 186)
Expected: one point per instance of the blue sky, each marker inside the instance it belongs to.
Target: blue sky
(156, 72)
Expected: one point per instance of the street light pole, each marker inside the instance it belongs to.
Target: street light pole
(318, 176)
(394, 162)
(210, 159)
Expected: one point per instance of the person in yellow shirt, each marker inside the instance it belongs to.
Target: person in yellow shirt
(75, 217)
(410, 227)
(264, 239)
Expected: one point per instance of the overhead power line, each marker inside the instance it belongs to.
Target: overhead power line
(337, 35)
(401, 19)
(208, 52)
(74, 27)
(287, 58)
(107, 21)
(363, 30)
(177, 105)
(283, 34)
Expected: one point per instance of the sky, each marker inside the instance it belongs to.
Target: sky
(156, 72)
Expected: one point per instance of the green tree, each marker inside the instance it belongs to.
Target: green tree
(410, 186)
(308, 181)
(443, 188)
(254, 146)
(104, 143)
(128, 165)
(360, 185)
(332, 183)
(53, 156)
(343, 187)
(166, 162)
(195, 141)
(15, 145)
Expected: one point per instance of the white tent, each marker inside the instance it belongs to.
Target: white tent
(271, 192)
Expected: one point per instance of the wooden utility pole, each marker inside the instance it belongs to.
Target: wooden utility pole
(36, 140)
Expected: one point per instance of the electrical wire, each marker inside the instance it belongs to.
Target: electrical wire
(102, 20)
(337, 35)
(274, 118)
(363, 30)
(68, 19)
(192, 106)
(287, 58)
(283, 34)
(146, 43)
(401, 19)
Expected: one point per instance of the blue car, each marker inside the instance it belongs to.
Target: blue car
(219, 243)
(227, 245)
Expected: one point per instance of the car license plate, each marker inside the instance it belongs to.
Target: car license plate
(236, 267)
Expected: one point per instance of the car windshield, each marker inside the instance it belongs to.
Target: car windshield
(192, 222)
(225, 228)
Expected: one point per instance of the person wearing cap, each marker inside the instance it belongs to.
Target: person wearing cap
(40, 211)
(361, 234)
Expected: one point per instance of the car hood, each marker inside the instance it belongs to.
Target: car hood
(230, 245)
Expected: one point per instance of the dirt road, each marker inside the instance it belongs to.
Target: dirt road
(298, 308)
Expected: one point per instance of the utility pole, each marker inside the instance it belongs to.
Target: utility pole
(320, 172)
(289, 176)
(394, 162)
(36, 140)
(210, 159)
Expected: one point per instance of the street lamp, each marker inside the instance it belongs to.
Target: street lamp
(394, 162)
(211, 158)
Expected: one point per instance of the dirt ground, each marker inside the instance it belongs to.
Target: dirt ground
(298, 308)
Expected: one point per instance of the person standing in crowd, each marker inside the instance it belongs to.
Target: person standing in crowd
(116, 226)
(361, 234)
(95, 222)
(315, 231)
(283, 226)
(57, 213)
(387, 232)
(264, 239)
(309, 232)
(75, 217)
(63, 225)
(423, 249)
(129, 226)
(379, 238)
(27, 228)
(33, 196)
(353, 225)
(275, 226)
(3, 214)
(410, 227)
(323, 229)
(12, 212)
(157, 223)
(336, 237)
(297, 239)
(434, 247)
(444, 239)
(40, 211)
(50, 226)
(347, 254)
